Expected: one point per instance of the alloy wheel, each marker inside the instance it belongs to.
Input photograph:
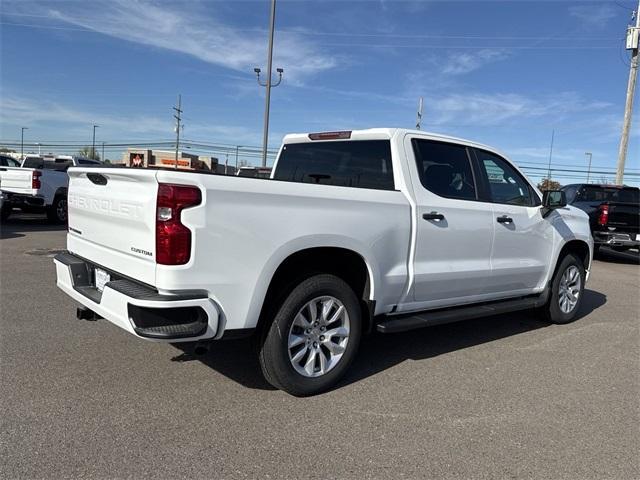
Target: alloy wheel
(318, 336)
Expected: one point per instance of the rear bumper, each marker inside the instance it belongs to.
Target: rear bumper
(22, 200)
(616, 239)
(138, 308)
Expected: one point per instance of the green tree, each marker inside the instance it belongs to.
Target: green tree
(548, 184)
(87, 152)
(6, 150)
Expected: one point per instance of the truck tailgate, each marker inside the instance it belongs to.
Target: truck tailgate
(17, 180)
(112, 219)
(625, 217)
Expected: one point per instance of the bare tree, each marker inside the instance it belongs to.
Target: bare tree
(87, 152)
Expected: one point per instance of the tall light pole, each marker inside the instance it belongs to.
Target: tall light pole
(93, 143)
(633, 34)
(419, 114)
(589, 170)
(102, 152)
(553, 134)
(265, 138)
(22, 142)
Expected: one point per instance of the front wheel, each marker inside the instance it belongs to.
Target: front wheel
(313, 338)
(567, 290)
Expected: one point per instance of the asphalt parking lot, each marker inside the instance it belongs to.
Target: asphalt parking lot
(503, 397)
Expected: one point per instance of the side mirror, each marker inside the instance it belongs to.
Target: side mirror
(553, 199)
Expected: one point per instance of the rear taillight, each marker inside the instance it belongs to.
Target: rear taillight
(603, 217)
(35, 179)
(173, 239)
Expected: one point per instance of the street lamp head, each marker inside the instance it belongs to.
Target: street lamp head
(257, 71)
(280, 70)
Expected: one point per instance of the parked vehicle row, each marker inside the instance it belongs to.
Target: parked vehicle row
(38, 185)
(355, 231)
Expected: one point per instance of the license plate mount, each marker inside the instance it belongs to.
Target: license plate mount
(101, 278)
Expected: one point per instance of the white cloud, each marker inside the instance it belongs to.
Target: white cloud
(76, 123)
(493, 109)
(593, 15)
(192, 31)
(461, 63)
(22, 111)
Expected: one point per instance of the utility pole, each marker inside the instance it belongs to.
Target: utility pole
(22, 142)
(102, 152)
(419, 119)
(589, 170)
(632, 44)
(178, 119)
(237, 152)
(553, 132)
(93, 142)
(269, 84)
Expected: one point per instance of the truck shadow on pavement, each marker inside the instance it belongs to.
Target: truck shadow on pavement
(19, 224)
(235, 358)
(630, 257)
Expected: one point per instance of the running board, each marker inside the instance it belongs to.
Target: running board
(411, 321)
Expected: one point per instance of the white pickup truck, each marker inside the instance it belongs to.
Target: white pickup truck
(39, 185)
(355, 231)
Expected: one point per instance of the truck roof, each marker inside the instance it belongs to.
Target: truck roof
(379, 134)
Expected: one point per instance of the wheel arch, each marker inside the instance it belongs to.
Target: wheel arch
(61, 191)
(579, 248)
(346, 263)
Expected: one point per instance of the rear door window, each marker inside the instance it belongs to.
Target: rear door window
(358, 164)
(445, 169)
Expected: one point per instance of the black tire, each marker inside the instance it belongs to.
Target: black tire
(552, 310)
(273, 351)
(5, 212)
(57, 212)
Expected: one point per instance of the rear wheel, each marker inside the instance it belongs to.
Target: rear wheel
(57, 212)
(567, 289)
(313, 338)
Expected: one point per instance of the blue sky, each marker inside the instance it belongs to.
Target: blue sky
(504, 73)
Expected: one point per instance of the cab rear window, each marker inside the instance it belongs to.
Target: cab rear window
(357, 164)
(610, 194)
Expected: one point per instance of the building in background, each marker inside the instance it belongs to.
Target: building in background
(143, 158)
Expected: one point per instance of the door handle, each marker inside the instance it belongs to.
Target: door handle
(504, 219)
(433, 216)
